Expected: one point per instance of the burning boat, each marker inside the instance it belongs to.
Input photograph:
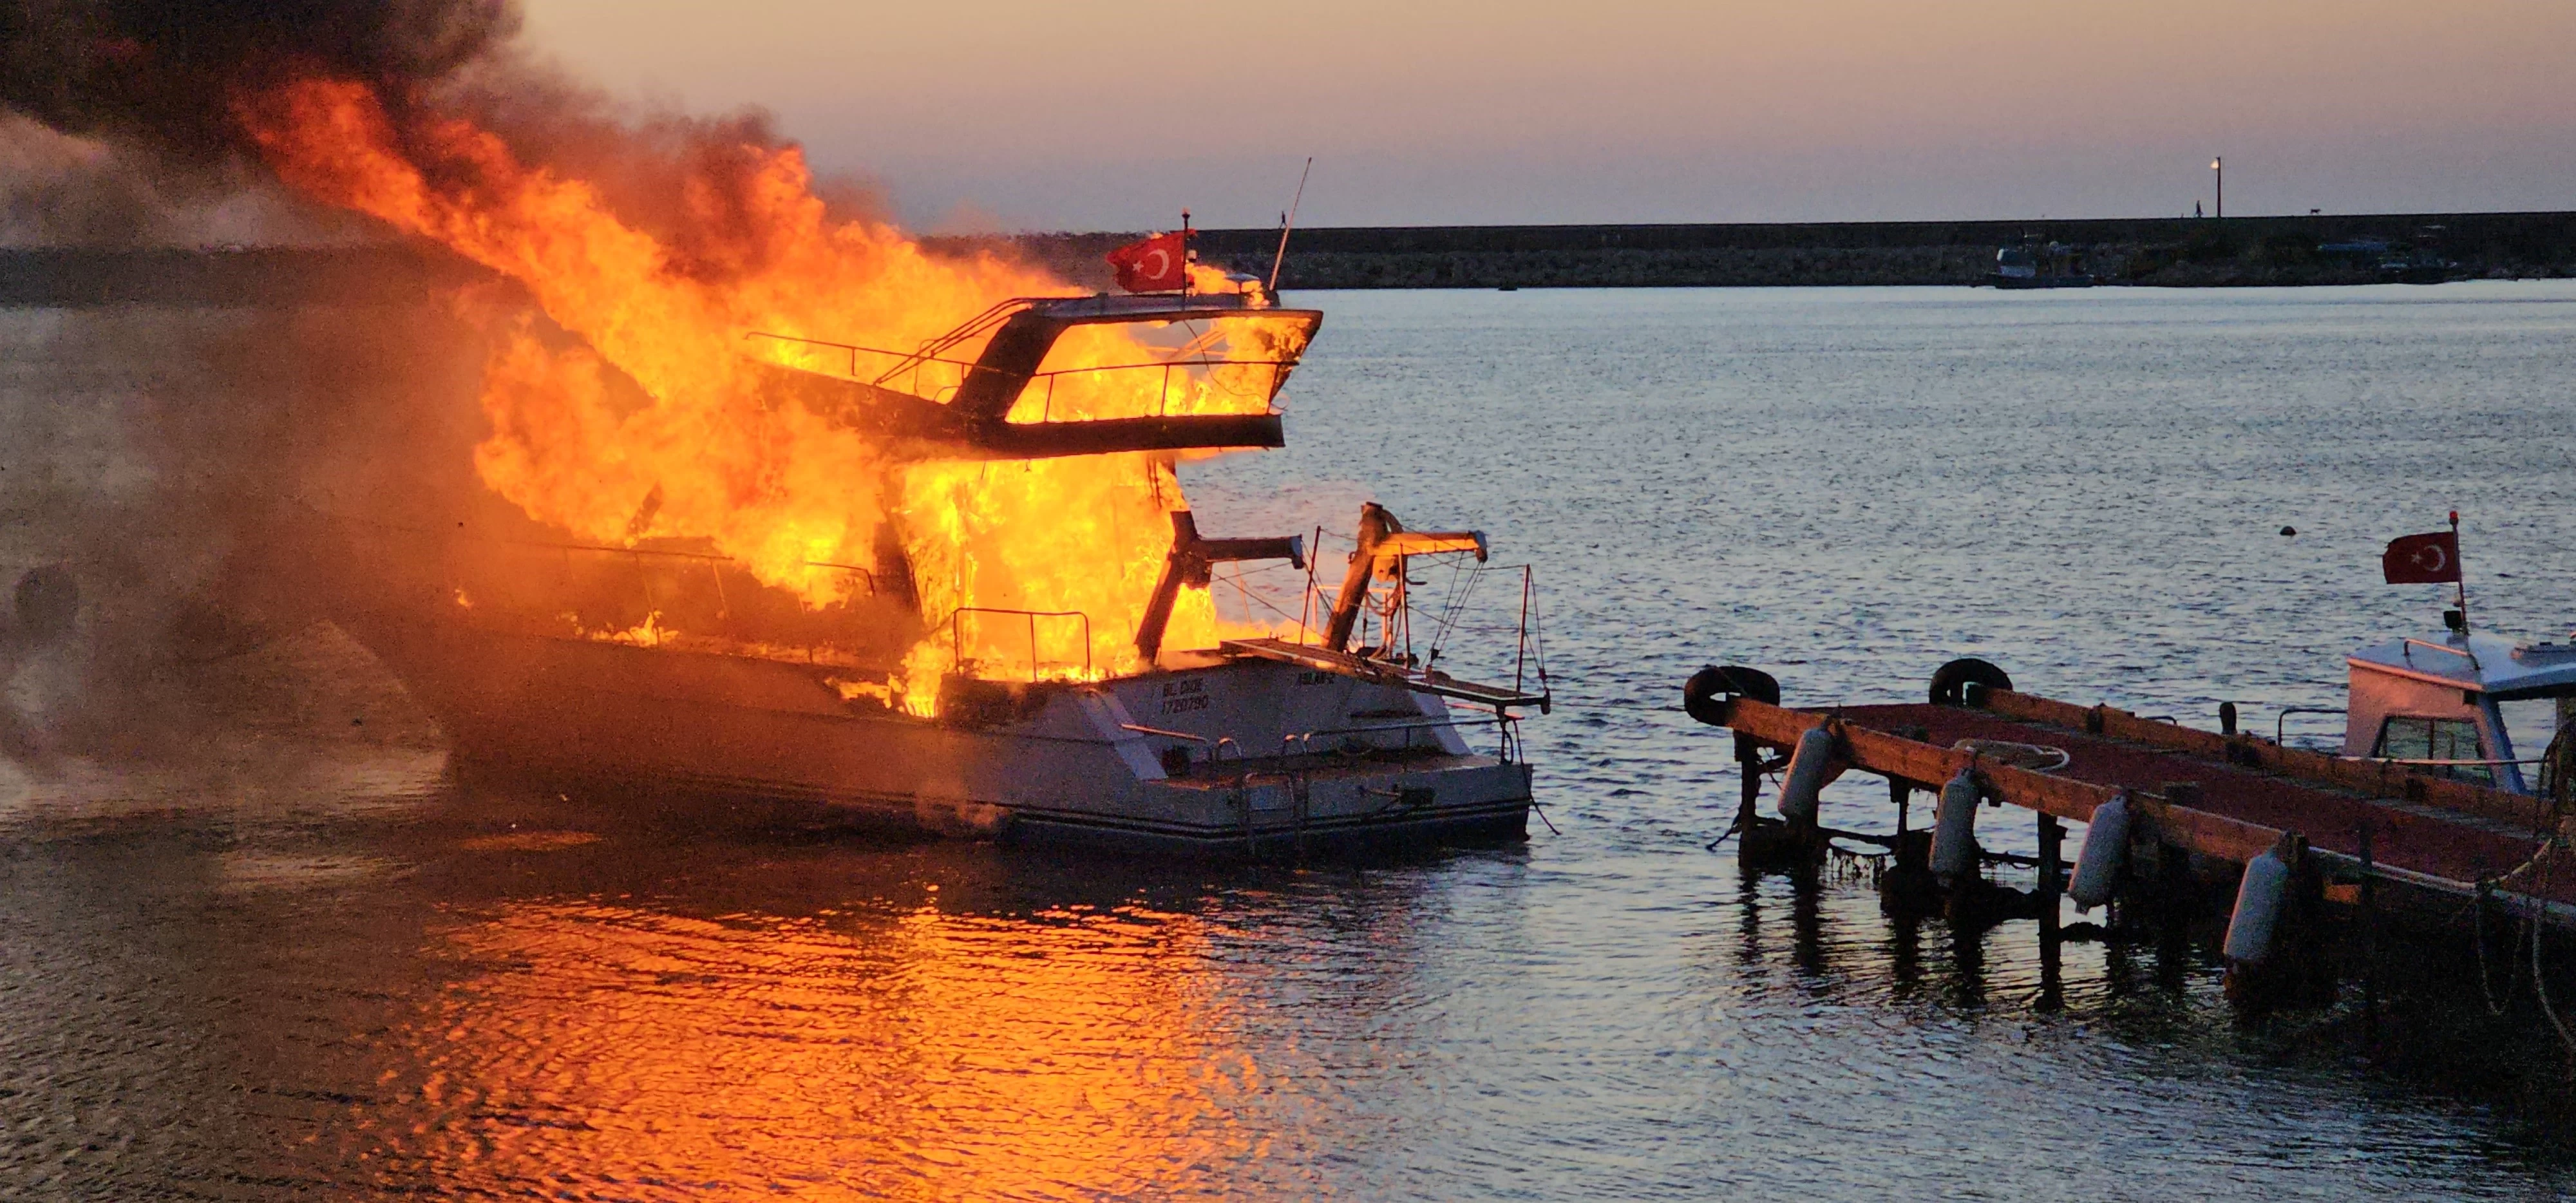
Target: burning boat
(775, 503)
(667, 662)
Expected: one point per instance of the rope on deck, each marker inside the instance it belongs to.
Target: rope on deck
(2540, 991)
(2038, 758)
(2533, 930)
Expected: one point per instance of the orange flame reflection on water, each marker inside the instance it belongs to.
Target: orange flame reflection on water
(928, 1056)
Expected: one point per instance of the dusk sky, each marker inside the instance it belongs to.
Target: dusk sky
(1113, 114)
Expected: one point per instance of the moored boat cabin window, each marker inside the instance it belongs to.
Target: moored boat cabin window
(2405, 737)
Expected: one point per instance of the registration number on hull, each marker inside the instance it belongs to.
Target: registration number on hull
(1183, 696)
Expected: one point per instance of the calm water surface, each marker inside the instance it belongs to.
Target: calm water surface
(301, 961)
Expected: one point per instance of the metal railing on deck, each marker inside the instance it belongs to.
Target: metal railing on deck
(914, 361)
(2279, 720)
(1163, 396)
(1506, 725)
(2408, 651)
(2438, 762)
(957, 635)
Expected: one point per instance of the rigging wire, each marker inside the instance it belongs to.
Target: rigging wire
(1458, 595)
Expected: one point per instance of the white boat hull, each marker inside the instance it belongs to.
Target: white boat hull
(1232, 756)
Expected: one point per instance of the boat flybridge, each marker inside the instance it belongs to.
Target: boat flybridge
(663, 663)
(2440, 705)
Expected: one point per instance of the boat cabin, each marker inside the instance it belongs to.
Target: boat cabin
(1060, 376)
(2443, 704)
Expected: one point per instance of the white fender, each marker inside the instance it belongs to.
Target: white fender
(2259, 898)
(1954, 828)
(1801, 793)
(2106, 846)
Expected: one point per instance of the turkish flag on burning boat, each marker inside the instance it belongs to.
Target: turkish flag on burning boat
(1158, 264)
(2432, 559)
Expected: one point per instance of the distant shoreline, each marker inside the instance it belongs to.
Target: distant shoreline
(2156, 252)
(2164, 252)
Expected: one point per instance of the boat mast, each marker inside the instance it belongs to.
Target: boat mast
(2462, 578)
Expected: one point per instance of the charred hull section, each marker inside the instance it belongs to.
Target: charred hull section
(1236, 756)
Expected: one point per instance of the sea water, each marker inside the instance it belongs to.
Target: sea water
(302, 959)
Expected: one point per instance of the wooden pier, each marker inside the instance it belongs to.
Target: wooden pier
(2375, 834)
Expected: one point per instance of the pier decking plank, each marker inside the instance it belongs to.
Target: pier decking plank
(2239, 809)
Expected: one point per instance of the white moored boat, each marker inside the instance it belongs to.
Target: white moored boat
(2438, 705)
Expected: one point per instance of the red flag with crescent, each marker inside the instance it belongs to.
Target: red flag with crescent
(2432, 559)
(1158, 264)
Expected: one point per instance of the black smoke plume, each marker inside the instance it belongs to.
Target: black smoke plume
(163, 73)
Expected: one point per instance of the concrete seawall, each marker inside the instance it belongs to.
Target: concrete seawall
(2175, 252)
(2178, 252)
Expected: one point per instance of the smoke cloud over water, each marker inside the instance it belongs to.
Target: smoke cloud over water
(111, 114)
(149, 456)
(148, 450)
(157, 73)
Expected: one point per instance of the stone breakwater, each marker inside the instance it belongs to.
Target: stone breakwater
(2171, 252)
(2175, 252)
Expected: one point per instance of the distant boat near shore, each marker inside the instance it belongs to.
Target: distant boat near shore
(2031, 265)
(2418, 261)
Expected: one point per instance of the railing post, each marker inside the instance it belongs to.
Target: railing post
(2370, 942)
(1520, 648)
(2052, 835)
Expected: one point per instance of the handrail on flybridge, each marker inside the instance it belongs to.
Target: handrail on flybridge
(996, 314)
(976, 413)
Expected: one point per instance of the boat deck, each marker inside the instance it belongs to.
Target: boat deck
(1324, 659)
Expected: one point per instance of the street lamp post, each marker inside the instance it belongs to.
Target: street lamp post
(2218, 168)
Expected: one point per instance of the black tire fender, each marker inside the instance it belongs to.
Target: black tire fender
(1951, 682)
(1701, 694)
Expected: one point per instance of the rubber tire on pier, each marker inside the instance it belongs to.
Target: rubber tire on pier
(1951, 681)
(1727, 680)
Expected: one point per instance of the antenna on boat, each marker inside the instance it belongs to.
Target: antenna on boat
(2462, 580)
(1288, 220)
(1185, 252)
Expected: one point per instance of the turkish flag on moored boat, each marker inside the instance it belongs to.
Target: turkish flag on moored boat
(1158, 264)
(2432, 559)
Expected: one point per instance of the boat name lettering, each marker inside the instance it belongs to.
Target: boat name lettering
(1181, 688)
(1184, 705)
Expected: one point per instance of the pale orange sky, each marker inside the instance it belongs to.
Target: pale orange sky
(1113, 113)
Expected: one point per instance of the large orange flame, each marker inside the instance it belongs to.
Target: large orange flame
(775, 486)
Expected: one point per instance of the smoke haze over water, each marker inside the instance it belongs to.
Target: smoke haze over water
(150, 451)
(163, 73)
(158, 457)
